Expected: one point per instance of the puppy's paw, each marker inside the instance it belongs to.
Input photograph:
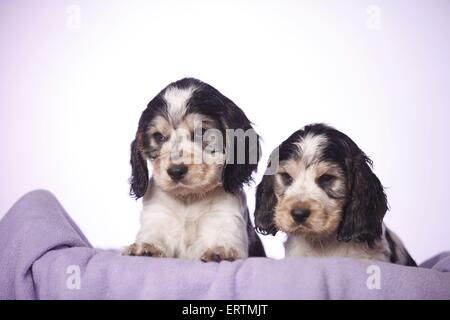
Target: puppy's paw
(219, 253)
(144, 249)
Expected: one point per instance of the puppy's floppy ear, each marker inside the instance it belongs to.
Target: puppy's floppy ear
(243, 162)
(366, 204)
(266, 201)
(139, 170)
(242, 149)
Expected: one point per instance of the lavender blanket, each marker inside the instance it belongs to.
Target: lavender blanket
(43, 255)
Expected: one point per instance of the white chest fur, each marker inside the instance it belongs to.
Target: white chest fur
(297, 246)
(187, 228)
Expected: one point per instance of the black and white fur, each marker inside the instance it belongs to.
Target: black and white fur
(322, 192)
(192, 210)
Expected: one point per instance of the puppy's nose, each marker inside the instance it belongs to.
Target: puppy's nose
(177, 172)
(300, 215)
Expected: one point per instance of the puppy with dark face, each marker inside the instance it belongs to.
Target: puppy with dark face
(203, 149)
(320, 190)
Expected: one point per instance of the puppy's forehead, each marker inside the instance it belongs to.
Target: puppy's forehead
(310, 147)
(159, 124)
(178, 112)
(177, 100)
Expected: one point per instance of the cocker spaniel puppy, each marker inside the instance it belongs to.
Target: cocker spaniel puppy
(320, 190)
(203, 149)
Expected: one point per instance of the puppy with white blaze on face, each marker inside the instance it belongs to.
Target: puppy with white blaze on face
(320, 190)
(203, 150)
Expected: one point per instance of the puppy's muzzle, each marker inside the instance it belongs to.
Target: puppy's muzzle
(177, 172)
(300, 215)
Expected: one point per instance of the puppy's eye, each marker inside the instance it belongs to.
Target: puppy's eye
(287, 179)
(159, 138)
(326, 179)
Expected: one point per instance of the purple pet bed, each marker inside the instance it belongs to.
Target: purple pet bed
(44, 255)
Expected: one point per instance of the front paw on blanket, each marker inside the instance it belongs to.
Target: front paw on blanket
(144, 249)
(218, 254)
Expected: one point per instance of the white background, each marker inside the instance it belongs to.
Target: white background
(73, 88)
